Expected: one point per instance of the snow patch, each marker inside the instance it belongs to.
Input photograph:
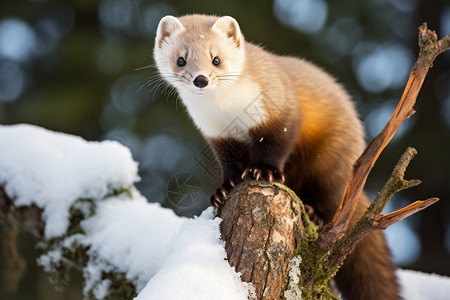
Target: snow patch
(52, 170)
(422, 286)
(293, 292)
(131, 235)
(196, 266)
(50, 260)
(93, 281)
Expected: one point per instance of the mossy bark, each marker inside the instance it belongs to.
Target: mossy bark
(264, 226)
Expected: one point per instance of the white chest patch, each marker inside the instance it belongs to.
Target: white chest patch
(228, 112)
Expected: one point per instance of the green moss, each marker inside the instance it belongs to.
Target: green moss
(80, 210)
(120, 288)
(314, 272)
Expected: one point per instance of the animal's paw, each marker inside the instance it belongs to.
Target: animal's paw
(313, 216)
(219, 197)
(264, 173)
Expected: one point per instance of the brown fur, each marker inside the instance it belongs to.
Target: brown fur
(319, 162)
(311, 132)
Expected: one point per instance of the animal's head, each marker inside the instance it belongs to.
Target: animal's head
(199, 54)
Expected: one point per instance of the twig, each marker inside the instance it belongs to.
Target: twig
(395, 183)
(384, 221)
(372, 219)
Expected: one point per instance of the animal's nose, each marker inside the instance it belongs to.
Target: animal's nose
(200, 81)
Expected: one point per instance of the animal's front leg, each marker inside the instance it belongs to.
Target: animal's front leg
(233, 157)
(269, 152)
(265, 168)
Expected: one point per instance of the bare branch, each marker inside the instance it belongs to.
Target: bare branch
(384, 221)
(395, 183)
(444, 43)
(429, 49)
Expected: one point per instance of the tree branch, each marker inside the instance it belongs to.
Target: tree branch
(395, 183)
(429, 49)
(384, 221)
(373, 219)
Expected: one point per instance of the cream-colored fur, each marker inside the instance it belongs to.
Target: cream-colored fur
(226, 107)
(225, 111)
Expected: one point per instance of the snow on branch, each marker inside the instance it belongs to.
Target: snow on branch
(78, 198)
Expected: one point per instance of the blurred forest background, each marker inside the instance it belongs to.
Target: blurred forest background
(83, 67)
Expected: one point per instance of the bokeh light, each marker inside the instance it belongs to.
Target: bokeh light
(404, 243)
(445, 22)
(405, 5)
(161, 153)
(307, 16)
(125, 94)
(343, 36)
(381, 67)
(116, 14)
(380, 114)
(12, 81)
(17, 39)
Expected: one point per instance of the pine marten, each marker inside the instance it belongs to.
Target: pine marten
(276, 118)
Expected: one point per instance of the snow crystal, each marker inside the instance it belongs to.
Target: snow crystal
(196, 266)
(52, 170)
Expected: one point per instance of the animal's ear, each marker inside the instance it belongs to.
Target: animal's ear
(230, 27)
(166, 27)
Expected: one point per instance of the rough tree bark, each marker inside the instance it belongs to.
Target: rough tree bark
(261, 225)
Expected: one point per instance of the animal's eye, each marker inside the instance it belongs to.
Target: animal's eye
(181, 62)
(216, 61)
